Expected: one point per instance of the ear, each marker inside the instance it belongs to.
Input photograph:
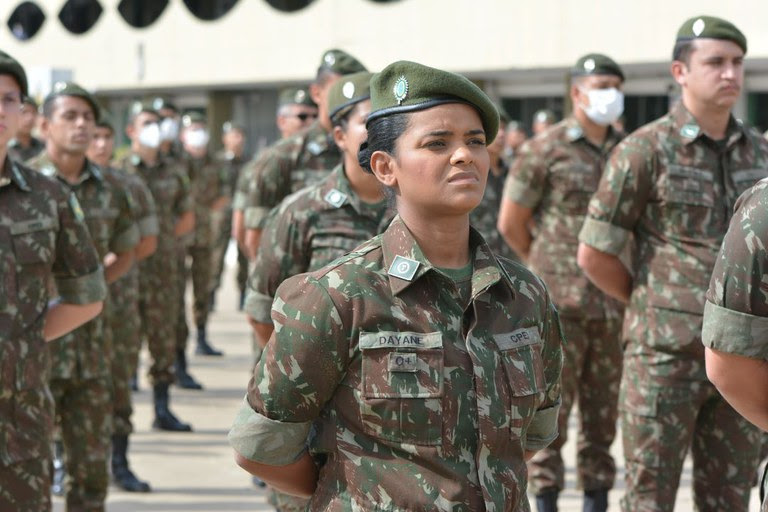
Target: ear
(130, 131)
(44, 126)
(383, 166)
(679, 72)
(340, 138)
(575, 94)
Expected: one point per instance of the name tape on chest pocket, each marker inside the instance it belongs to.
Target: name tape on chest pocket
(518, 338)
(400, 340)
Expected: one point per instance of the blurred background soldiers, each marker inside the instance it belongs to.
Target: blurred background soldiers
(295, 111)
(82, 360)
(43, 239)
(542, 120)
(170, 128)
(514, 137)
(24, 145)
(549, 186)
(303, 159)
(123, 315)
(672, 185)
(158, 273)
(230, 161)
(209, 187)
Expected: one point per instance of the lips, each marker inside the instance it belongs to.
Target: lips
(464, 177)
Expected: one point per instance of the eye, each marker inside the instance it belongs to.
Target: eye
(434, 144)
(474, 141)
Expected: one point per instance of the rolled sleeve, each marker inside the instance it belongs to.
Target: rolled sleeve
(542, 429)
(126, 240)
(149, 226)
(267, 441)
(604, 236)
(255, 216)
(83, 289)
(520, 193)
(734, 332)
(239, 200)
(258, 306)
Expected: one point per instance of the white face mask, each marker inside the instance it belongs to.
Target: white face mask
(149, 136)
(605, 105)
(197, 138)
(169, 129)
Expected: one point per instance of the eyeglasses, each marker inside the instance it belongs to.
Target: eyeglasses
(304, 116)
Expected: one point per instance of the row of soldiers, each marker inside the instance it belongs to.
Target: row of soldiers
(624, 230)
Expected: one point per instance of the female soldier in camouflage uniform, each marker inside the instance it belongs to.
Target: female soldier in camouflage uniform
(420, 370)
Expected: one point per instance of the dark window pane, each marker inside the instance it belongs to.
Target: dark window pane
(640, 110)
(26, 20)
(757, 110)
(522, 109)
(78, 16)
(289, 5)
(141, 13)
(209, 10)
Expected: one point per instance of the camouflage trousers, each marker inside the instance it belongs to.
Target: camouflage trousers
(182, 329)
(591, 375)
(84, 415)
(126, 345)
(219, 253)
(26, 486)
(286, 502)
(157, 308)
(202, 272)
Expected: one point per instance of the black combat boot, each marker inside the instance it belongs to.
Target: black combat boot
(164, 418)
(547, 501)
(122, 475)
(183, 378)
(596, 500)
(204, 348)
(59, 471)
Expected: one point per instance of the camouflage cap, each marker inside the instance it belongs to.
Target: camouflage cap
(340, 62)
(10, 66)
(74, 90)
(230, 126)
(193, 117)
(711, 27)
(295, 96)
(405, 86)
(596, 64)
(161, 103)
(347, 92)
(544, 116)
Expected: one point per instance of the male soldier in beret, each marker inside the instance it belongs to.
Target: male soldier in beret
(24, 145)
(295, 111)
(672, 186)
(550, 184)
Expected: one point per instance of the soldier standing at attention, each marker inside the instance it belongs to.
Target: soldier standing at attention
(210, 194)
(81, 361)
(123, 315)
(43, 237)
(514, 137)
(672, 184)
(158, 273)
(303, 159)
(170, 128)
(24, 145)
(427, 368)
(542, 119)
(550, 184)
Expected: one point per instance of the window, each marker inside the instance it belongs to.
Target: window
(26, 20)
(523, 109)
(640, 110)
(757, 110)
(79, 16)
(141, 13)
(209, 10)
(289, 5)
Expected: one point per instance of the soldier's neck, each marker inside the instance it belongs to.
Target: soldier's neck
(148, 156)
(443, 240)
(365, 185)
(69, 165)
(24, 139)
(593, 132)
(713, 120)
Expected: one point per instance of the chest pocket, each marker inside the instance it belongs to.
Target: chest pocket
(326, 248)
(688, 186)
(34, 240)
(745, 178)
(402, 386)
(101, 222)
(573, 182)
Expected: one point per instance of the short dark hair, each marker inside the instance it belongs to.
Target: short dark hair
(683, 50)
(383, 133)
(49, 105)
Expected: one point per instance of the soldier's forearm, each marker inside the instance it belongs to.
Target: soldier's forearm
(62, 318)
(184, 225)
(252, 241)
(606, 271)
(147, 246)
(742, 381)
(296, 479)
(118, 266)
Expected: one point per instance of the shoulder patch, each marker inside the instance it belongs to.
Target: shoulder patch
(403, 268)
(314, 148)
(335, 198)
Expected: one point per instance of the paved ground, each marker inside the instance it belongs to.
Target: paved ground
(195, 471)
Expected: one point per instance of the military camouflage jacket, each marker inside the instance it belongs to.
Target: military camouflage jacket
(485, 217)
(416, 403)
(288, 166)
(308, 230)
(555, 174)
(22, 154)
(674, 189)
(42, 235)
(108, 212)
(231, 166)
(736, 312)
(208, 182)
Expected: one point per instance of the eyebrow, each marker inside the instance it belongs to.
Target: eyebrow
(440, 133)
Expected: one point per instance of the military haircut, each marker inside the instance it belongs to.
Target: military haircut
(325, 75)
(383, 133)
(48, 107)
(683, 50)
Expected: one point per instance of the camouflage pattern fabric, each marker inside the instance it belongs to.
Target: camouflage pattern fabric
(307, 231)
(415, 402)
(231, 166)
(485, 217)
(674, 189)
(182, 276)
(22, 154)
(157, 273)
(42, 236)
(288, 166)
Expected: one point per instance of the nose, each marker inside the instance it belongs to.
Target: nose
(462, 155)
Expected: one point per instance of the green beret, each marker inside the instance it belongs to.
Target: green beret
(711, 27)
(72, 89)
(193, 117)
(596, 64)
(137, 107)
(161, 103)
(340, 62)
(232, 126)
(515, 126)
(106, 121)
(404, 87)
(347, 92)
(10, 66)
(544, 116)
(295, 96)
